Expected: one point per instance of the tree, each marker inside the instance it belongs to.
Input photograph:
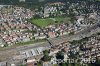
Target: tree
(97, 63)
(71, 33)
(23, 65)
(46, 56)
(46, 52)
(40, 63)
(60, 55)
(85, 39)
(63, 64)
(98, 33)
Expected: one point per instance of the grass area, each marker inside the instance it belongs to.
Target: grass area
(42, 22)
(30, 42)
(55, 65)
(49, 21)
(22, 44)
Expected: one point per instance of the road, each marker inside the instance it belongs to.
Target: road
(9, 52)
(81, 34)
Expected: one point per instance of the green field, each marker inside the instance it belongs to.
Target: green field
(23, 44)
(48, 21)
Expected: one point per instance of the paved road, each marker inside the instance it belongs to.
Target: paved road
(5, 54)
(84, 33)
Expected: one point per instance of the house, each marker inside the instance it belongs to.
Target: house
(22, 0)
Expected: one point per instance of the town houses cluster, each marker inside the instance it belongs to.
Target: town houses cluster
(51, 10)
(14, 27)
(70, 28)
(75, 38)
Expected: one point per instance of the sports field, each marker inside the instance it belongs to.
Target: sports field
(48, 21)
